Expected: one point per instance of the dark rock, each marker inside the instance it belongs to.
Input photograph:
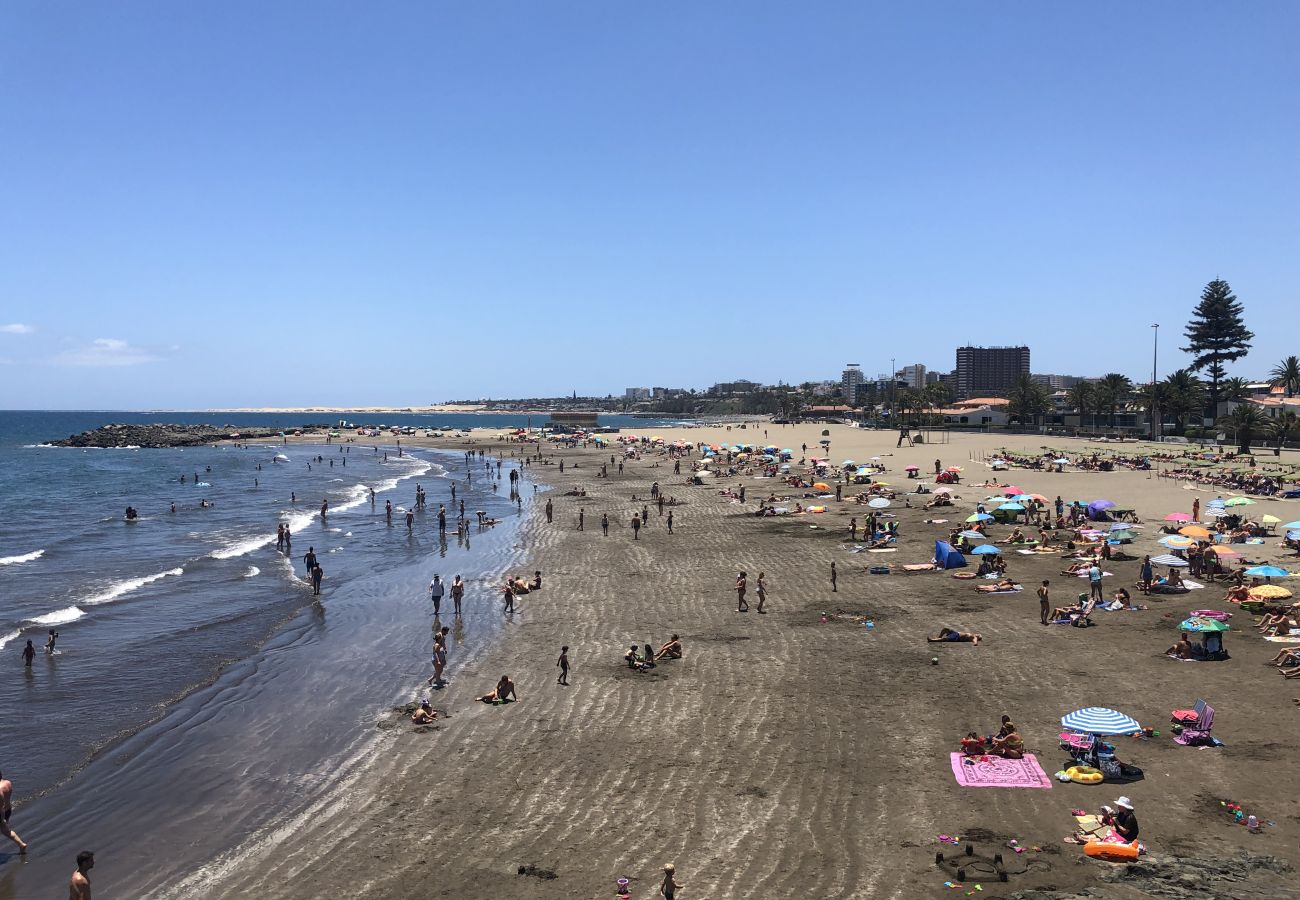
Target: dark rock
(156, 436)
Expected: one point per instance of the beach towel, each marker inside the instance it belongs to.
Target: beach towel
(994, 771)
(1095, 830)
(919, 567)
(1014, 590)
(1284, 638)
(1084, 574)
(883, 550)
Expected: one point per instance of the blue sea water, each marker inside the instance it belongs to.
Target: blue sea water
(187, 642)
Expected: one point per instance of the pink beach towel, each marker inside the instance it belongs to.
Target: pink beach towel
(994, 771)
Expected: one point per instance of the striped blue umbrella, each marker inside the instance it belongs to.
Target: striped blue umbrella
(1099, 720)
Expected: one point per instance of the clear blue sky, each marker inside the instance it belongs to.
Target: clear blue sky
(234, 203)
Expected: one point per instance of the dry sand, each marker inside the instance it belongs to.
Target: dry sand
(783, 757)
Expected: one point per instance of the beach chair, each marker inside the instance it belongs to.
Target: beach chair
(1080, 747)
(1198, 733)
(1190, 718)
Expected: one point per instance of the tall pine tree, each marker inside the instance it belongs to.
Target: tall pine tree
(1216, 335)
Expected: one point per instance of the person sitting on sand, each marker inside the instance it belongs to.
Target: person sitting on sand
(424, 713)
(1288, 657)
(1238, 593)
(504, 692)
(671, 650)
(1069, 612)
(952, 635)
(537, 581)
(1016, 537)
(1005, 584)
(1123, 598)
(939, 500)
(1174, 579)
(1182, 649)
(1010, 745)
(972, 744)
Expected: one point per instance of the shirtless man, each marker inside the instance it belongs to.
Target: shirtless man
(424, 713)
(1182, 649)
(6, 809)
(505, 691)
(79, 887)
(951, 635)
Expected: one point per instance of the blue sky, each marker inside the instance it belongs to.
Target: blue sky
(234, 203)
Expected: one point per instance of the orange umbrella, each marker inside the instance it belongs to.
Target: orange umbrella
(1195, 531)
(1222, 551)
(821, 486)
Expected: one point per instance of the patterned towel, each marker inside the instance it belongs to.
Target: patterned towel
(994, 771)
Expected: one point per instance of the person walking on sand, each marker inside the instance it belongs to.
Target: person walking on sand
(853, 529)
(636, 526)
(1196, 509)
(1044, 603)
(604, 524)
(741, 605)
(669, 887)
(436, 590)
(457, 594)
(670, 521)
(563, 663)
(29, 653)
(834, 579)
(761, 587)
(550, 512)
(79, 886)
(580, 520)
(6, 810)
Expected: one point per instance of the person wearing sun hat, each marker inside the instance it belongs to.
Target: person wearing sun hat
(1123, 821)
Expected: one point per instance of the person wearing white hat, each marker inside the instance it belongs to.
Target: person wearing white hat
(1123, 820)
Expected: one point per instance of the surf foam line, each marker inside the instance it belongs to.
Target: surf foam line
(127, 586)
(4, 639)
(26, 557)
(356, 496)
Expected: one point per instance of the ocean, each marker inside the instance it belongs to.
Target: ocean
(199, 694)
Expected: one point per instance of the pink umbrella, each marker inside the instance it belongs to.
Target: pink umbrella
(1011, 490)
(1178, 517)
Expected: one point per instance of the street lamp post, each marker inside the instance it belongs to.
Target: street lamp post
(1155, 395)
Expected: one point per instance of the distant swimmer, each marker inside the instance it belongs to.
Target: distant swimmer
(6, 810)
(173, 507)
(131, 514)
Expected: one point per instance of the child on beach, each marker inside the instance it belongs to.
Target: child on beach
(563, 663)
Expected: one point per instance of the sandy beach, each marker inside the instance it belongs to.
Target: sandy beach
(784, 756)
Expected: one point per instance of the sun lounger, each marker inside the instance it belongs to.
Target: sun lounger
(1199, 732)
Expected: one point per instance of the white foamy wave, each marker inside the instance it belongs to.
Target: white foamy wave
(125, 587)
(239, 548)
(4, 639)
(253, 572)
(59, 617)
(26, 557)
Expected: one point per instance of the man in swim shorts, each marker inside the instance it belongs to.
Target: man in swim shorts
(6, 809)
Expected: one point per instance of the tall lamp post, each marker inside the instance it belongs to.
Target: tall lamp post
(1155, 395)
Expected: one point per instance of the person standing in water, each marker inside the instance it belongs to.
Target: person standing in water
(324, 508)
(29, 653)
(309, 560)
(79, 886)
(457, 594)
(50, 641)
(317, 573)
(436, 590)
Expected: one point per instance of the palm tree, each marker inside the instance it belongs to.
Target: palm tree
(1184, 394)
(1083, 398)
(1285, 426)
(1286, 375)
(1244, 422)
(1234, 390)
(1112, 390)
(1028, 400)
(1152, 397)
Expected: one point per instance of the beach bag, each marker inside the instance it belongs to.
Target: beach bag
(879, 570)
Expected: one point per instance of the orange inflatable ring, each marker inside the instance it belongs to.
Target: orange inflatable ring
(1108, 850)
(1085, 775)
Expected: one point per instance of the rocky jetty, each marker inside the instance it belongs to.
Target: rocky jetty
(160, 436)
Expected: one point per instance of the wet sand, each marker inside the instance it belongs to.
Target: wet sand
(782, 756)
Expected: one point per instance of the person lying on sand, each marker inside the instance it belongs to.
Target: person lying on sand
(670, 650)
(951, 635)
(424, 713)
(1288, 657)
(504, 692)
(939, 500)
(1005, 584)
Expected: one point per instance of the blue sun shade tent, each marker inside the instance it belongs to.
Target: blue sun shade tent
(947, 557)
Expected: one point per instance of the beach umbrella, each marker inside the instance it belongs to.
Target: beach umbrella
(821, 486)
(1039, 497)
(1023, 498)
(1291, 526)
(1099, 720)
(1217, 502)
(1168, 559)
(943, 490)
(825, 442)
(1061, 462)
(972, 535)
(1222, 551)
(1011, 506)
(1270, 520)
(954, 469)
(1176, 542)
(986, 550)
(848, 462)
(1178, 517)
(1121, 535)
(911, 468)
(1123, 526)
(1240, 501)
(1267, 572)
(785, 467)
(878, 503)
(1194, 531)
(1216, 513)
(1011, 490)
(1269, 592)
(1201, 626)
(979, 517)
(1101, 504)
